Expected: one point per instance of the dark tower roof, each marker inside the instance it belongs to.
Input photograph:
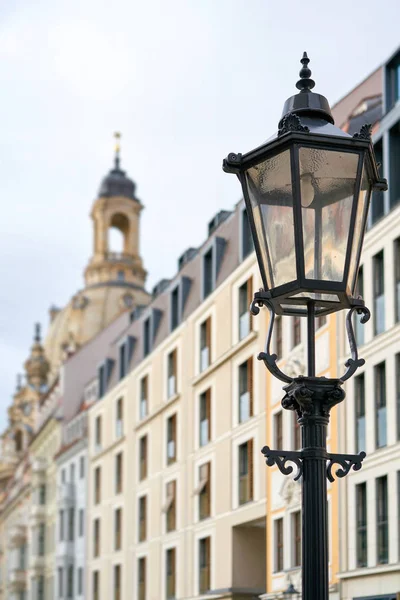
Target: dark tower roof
(116, 183)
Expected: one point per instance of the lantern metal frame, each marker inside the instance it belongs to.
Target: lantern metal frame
(294, 136)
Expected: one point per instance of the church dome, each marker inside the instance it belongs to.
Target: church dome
(116, 183)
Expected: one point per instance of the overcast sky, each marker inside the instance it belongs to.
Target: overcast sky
(186, 82)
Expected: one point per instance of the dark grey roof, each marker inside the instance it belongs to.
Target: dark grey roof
(116, 183)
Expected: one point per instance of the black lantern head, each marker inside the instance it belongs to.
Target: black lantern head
(307, 193)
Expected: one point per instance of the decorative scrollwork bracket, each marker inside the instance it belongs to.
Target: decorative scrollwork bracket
(346, 462)
(280, 458)
(354, 362)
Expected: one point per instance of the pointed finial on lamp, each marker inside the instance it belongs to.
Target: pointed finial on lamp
(37, 332)
(305, 83)
(117, 137)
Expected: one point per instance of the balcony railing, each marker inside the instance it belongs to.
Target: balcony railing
(67, 493)
(120, 257)
(17, 535)
(17, 579)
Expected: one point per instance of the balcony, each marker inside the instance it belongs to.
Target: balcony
(66, 494)
(17, 535)
(39, 465)
(120, 257)
(17, 580)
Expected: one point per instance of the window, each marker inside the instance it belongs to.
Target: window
(204, 565)
(118, 529)
(205, 344)
(118, 473)
(142, 518)
(143, 458)
(398, 401)
(170, 573)
(380, 405)
(246, 472)
(142, 578)
(80, 581)
(41, 539)
(72, 473)
(70, 582)
(205, 417)
(208, 275)
(359, 327)
(278, 429)
(71, 524)
(170, 507)
(278, 538)
(117, 582)
(63, 476)
(382, 523)
(60, 582)
(40, 587)
(320, 321)
(394, 176)
(104, 373)
(246, 390)
(96, 585)
(96, 538)
(296, 432)
(361, 532)
(296, 324)
(377, 209)
(296, 538)
(146, 337)
(245, 299)
(379, 293)
(144, 395)
(97, 429)
(119, 419)
(125, 352)
(97, 485)
(171, 440)
(81, 521)
(172, 373)
(61, 525)
(175, 308)
(247, 240)
(82, 467)
(204, 491)
(359, 398)
(278, 337)
(397, 277)
(42, 494)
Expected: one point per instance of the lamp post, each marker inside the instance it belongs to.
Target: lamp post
(291, 593)
(307, 193)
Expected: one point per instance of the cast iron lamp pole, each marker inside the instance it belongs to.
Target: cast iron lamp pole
(307, 193)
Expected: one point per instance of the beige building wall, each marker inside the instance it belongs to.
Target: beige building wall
(236, 532)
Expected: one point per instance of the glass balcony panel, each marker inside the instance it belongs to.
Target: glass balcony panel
(204, 358)
(244, 325)
(379, 314)
(204, 432)
(244, 407)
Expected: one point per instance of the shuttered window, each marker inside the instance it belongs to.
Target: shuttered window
(204, 565)
(246, 472)
(143, 458)
(142, 578)
(205, 417)
(246, 390)
(204, 491)
(170, 573)
(142, 518)
(171, 439)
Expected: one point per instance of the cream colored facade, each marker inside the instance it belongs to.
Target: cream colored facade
(236, 532)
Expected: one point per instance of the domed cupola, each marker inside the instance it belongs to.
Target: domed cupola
(37, 366)
(116, 183)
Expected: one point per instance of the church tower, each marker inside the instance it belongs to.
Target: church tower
(114, 278)
(116, 207)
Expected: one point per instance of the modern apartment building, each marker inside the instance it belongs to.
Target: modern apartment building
(369, 513)
(176, 478)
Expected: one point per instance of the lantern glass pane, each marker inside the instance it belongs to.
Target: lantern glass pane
(269, 186)
(327, 186)
(359, 227)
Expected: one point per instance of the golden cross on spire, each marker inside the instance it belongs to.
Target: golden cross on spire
(117, 147)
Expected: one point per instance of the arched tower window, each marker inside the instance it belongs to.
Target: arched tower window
(118, 234)
(19, 441)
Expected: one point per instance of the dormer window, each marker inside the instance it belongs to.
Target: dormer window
(125, 355)
(212, 260)
(393, 82)
(150, 328)
(178, 299)
(104, 373)
(247, 245)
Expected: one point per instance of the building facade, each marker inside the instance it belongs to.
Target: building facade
(370, 416)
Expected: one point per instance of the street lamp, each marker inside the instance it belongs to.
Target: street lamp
(291, 593)
(307, 192)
